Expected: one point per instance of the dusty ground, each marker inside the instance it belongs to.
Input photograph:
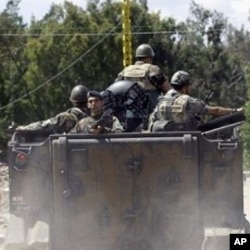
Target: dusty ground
(4, 201)
(247, 196)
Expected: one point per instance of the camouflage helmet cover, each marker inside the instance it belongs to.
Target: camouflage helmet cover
(181, 78)
(144, 50)
(79, 94)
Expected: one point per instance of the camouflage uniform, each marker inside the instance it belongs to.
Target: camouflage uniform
(85, 124)
(79, 112)
(148, 76)
(63, 122)
(178, 111)
(78, 98)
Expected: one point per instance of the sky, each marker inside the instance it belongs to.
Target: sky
(237, 11)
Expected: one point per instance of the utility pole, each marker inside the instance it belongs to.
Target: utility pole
(126, 34)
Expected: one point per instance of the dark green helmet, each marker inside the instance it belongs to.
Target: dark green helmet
(144, 50)
(79, 94)
(181, 78)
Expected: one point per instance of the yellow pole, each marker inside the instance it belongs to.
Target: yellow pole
(126, 34)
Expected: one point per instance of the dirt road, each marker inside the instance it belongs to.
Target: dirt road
(247, 196)
(4, 203)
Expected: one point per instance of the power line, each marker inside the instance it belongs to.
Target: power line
(99, 34)
(62, 71)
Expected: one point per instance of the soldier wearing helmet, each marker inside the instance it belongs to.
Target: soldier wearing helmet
(177, 110)
(128, 102)
(78, 95)
(144, 50)
(78, 98)
(64, 121)
(149, 76)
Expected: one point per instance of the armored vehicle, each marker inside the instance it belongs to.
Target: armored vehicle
(179, 190)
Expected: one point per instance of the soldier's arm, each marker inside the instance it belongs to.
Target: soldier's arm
(220, 111)
(48, 125)
(158, 79)
(199, 107)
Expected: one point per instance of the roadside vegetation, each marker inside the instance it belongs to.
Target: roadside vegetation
(41, 61)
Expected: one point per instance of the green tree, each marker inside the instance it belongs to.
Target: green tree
(40, 63)
(12, 67)
(202, 49)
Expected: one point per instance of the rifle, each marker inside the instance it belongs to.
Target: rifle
(104, 122)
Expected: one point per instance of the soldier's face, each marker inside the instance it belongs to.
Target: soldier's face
(95, 105)
(149, 60)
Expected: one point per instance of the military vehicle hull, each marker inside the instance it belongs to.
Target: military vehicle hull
(151, 191)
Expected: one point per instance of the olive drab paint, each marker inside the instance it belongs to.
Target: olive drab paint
(124, 191)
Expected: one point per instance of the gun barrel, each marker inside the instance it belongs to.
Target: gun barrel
(223, 121)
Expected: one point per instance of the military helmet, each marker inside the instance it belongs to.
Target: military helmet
(79, 94)
(120, 87)
(144, 50)
(181, 78)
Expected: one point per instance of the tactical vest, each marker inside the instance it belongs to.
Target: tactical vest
(172, 110)
(179, 114)
(139, 73)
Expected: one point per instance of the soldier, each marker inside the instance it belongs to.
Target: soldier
(128, 102)
(78, 98)
(149, 76)
(64, 121)
(179, 111)
(61, 123)
(98, 122)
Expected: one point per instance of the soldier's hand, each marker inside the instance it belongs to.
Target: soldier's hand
(20, 128)
(237, 110)
(240, 110)
(95, 131)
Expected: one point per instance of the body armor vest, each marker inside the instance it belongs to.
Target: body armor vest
(172, 110)
(139, 73)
